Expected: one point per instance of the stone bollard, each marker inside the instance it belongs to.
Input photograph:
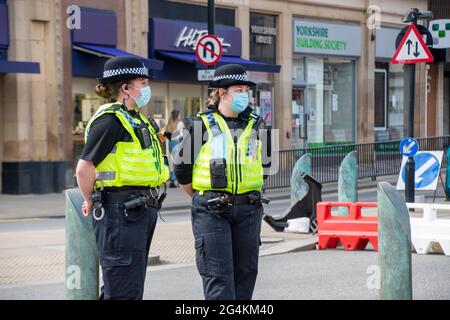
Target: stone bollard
(81, 251)
(298, 185)
(394, 245)
(348, 181)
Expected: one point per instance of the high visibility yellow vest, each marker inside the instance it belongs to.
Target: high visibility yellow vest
(243, 157)
(128, 164)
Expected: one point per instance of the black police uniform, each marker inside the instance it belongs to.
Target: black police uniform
(227, 237)
(123, 236)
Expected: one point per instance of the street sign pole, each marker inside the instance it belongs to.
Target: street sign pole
(409, 148)
(411, 50)
(410, 165)
(211, 21)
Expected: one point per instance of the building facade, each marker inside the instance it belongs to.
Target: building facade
(322, 70)
(438, 78)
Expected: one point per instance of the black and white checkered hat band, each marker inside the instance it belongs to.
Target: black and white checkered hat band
(239, 77)
(133, 71)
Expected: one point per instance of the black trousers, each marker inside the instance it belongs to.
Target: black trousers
(227, 244)
(123, 245)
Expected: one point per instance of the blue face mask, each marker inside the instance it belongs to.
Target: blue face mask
(240, 101)
(144, 98)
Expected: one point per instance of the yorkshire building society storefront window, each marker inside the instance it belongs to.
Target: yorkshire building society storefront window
(324, 83)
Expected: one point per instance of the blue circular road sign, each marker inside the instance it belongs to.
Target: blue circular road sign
(409, 147)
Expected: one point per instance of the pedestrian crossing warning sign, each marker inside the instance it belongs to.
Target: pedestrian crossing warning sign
(412, 48)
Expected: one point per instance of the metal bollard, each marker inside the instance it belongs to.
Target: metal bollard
(81, 251)
(348, 181)
(394, 245)
(298, 185)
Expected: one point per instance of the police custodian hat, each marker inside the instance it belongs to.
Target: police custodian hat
(123, 68)
(230, 75)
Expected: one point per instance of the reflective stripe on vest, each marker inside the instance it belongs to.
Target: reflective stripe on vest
(128, 164)
(243, 157)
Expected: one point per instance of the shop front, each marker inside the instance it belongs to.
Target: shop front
(177, 85)
(389, 88)
(324, 83)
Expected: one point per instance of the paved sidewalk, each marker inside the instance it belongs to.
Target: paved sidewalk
(52, 205)
(30, 256)
(39, 255)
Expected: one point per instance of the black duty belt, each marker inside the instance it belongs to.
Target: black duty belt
(221, 198)
(130, 197)
(120, 196)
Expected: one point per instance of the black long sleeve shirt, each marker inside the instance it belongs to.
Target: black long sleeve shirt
(194, 138)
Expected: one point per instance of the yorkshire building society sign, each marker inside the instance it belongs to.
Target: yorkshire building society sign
(327, 38)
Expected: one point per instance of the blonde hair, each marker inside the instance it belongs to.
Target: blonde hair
(109, 90)
(214, 98)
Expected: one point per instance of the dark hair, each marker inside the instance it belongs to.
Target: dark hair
(174, 114)
(173, 121)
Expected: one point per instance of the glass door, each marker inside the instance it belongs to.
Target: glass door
(298, 113)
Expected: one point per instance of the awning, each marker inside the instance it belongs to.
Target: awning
(247, 64)
(19, 67)
(109, 52)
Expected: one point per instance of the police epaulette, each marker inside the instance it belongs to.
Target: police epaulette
(259, 121)
(114, 107)
(205, 112)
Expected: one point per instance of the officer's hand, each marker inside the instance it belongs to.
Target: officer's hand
(87, 207)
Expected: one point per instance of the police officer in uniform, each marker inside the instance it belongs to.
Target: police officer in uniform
(119, 174)
(223, 171)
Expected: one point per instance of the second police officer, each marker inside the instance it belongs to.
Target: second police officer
(120, 170)
(220, 164)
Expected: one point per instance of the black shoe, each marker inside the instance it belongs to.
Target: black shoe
(172, 184)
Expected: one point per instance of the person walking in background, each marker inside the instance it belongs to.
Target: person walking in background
(174, 132)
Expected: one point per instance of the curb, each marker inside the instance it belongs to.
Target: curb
(291, 246)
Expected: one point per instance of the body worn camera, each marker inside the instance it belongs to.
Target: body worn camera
(218, 170)
(143, 134)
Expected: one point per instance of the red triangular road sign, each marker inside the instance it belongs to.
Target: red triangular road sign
(412, 48)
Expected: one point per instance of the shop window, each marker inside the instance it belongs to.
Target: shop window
(188, 12)
(389, 121)
(396, 101)
(380, 99)
(157, 110)
(189, 107)
(263, 38)
(330, 100)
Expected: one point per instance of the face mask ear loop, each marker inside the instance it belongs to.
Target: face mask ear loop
(127, 98)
